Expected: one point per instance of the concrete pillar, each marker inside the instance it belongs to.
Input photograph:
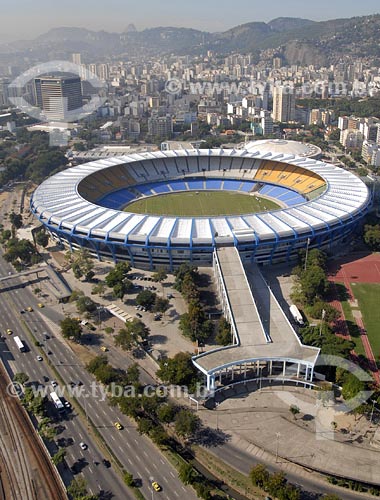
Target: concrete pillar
(245, 371)
(270, 367)
(306, 371)
(298, 369)
(232, 372)
(311, 373)
(284, 369)
(257, 368)
(220, 377)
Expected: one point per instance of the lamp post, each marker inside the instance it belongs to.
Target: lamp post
(307, 252)
(321, 323)
(217, 415)
(373, 401)
(278, 435)
(261, 375)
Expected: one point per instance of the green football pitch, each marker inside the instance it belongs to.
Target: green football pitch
(201, 203)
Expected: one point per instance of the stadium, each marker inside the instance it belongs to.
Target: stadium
(232, 209)
(316, 205)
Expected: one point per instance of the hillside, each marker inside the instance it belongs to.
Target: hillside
(298, 41)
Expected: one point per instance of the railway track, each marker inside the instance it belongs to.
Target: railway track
(39, 478)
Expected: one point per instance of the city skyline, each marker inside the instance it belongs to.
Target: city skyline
(116, 15)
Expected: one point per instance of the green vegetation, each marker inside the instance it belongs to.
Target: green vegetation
(118, 281)
(71, 327)
(201, 203)
(275, 484)
(178, 370)
(368, 295)
(353, 328)
(21, 253)
(223, 335)
(371, 236)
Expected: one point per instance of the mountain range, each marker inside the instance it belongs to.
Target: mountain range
(297, 41)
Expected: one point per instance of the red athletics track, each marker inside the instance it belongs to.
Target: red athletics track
(360, 268)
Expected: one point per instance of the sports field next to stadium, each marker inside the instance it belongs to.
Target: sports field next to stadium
(201, 203)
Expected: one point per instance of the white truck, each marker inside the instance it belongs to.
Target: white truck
(296, 315)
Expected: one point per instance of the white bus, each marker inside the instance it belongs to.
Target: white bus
(297, 316)
(57, 402)
(19, 344)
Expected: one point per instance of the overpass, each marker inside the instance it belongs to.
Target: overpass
(262, 336)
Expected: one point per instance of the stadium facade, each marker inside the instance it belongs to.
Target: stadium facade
(87, 206)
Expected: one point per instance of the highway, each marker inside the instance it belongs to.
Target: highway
(137, 453)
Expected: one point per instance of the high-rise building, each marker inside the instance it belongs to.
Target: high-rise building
(58, 96)
(266, 122)
(160, 126)
(284, 103)
(76, 58)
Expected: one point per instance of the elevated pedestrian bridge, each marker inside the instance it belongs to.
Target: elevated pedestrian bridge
(262, 336)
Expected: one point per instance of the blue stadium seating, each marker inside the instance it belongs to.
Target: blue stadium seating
(232, 185)
(177, 185)
(247, 186)
(195, 184)
(213, 184)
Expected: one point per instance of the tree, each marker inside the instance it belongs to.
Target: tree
(117, 274)
(93, 365)
(59, 457)
(42, 238)
(15, 220)
(128, 478)
(351, 386)
(166, 413)
(133, 374)
(178, 370)
(121, 288)
(313, 283)
(259, 475)
(99, 289)
(194, 324)
(186, 423)
(146, 299)
(77, 489)
(145, 425)
(161, 304)
(21, 378)
(85, 304)
(316, 310)
(276, 483)
(223, 335)
(124, 339)
(294, 410)
(181, 272)
(160, 275)
(187, 473)
(137, 328)
(71, 327)
(372, 236)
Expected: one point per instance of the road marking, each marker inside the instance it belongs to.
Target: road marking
(89, 468)
(155, 465)
(121, 449)
(129, 460)
(138, 458)
(145, 453)
(176, 493)
(112, 437)
(162, 461)
(165, 479)
(171, 473)
(184, 489)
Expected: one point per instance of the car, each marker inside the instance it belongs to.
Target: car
(29, 309)
(45, 378)
(139, 315)
(67, 405)
(106, 463)
(47, 337)
(53, 383)
(104, 348)
(156, 486)
(79, 382)
(118, 426)
(9, 331)
(72, 384)
(170, 296)
(83, 445)
(40, 305)
(22, 311)
(40, 358)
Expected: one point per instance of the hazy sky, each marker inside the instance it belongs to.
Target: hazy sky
(23, 19)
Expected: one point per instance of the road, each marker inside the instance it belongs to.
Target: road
(137, 453)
